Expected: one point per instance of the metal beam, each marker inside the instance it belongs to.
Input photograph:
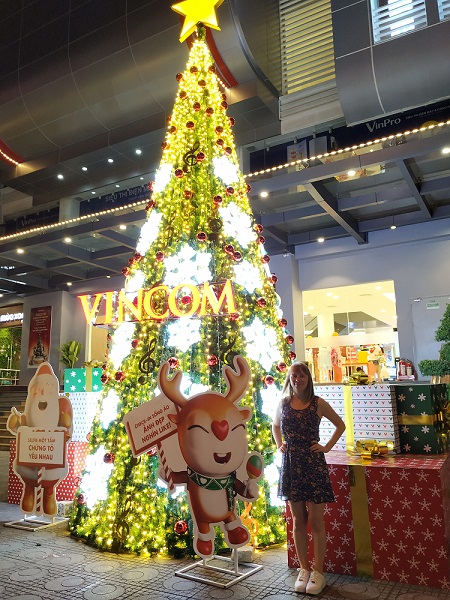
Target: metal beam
(410, 179)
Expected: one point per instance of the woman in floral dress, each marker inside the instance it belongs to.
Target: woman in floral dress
(304, 479)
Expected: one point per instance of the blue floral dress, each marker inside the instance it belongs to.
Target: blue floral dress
(304, 474)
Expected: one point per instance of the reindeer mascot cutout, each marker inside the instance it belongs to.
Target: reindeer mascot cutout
(45, 411)
(212, 435)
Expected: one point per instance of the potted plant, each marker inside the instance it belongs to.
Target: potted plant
(70, 351)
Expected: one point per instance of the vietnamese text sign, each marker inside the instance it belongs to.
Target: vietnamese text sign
(36, 447)
(148, 424)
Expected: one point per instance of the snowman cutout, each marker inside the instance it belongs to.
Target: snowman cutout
(46, 412)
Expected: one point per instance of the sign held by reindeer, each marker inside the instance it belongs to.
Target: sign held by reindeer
(212, 439)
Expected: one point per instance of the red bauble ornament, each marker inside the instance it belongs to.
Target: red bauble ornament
(217, 200)
(172, 129)
(80, 499)
(228, 151)
(292, 355)
(202, 83)
(233, 316)
(179, 76)
(119, 376)
(190, 124)
(179, 173)
(201, 236)
(289, 339)
(261, 239)
(281, 367)
(282, 322)
(273, 278)
(160, 256)
(151, 204)
(125, 271)
(261, 302)
(196, 106)
(138, 257)
(212, 360)
(173, 362)
(183, 95)
(249, 188)
(200, 157)
(230, 190)
(259, 228)
(209, 111)
(165, 145)
(265, 259)
(228, 248)
(188, 194)
(237, 256)
(134, 343)
(224, 105)
(220, 142)
(219, 129)
(131, 261)
(104, 378)
(169, 118)
(186, 300)
(232, 121)
(151, 184)
(108, 458)
(193, 70)
(212, 68)
(269, 380)
(180, 527)
(104, 366)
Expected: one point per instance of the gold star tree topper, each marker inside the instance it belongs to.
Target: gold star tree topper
(197, 11)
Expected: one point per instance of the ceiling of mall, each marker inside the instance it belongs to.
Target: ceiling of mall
(350, 192)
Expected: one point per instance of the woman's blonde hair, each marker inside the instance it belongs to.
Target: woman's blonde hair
(288, 392)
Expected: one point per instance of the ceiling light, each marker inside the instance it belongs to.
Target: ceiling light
(393, 226)
(141, 178)
(263, 194)
(84, 168)
(110, 160)
(69, 283)
(138, 151)
(446, 150)
(93, 192)
(117, 185)
(320, 240)
(60, 176)
(20, 250)
(67, 240)
(351, 173)
(1, 295)
(122, 227)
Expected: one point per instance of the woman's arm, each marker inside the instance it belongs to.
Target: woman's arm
(276, 429)
(325, 410)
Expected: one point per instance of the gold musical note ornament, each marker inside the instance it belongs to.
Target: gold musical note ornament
(197, 11)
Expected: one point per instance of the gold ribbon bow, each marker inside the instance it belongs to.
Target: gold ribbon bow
(369, 449)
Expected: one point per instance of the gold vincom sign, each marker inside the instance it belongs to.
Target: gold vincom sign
(159, 303)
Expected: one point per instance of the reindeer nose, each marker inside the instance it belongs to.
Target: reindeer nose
(220, 429)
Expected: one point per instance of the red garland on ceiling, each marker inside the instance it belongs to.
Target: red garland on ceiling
(8, 155)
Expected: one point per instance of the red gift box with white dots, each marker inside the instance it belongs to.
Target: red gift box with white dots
(408, 519)
(66, 488)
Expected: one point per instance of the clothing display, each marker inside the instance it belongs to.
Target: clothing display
(304, 474)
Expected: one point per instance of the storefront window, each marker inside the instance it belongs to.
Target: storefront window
(351, 332)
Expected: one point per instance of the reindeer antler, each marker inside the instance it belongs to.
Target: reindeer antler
(237, 380)
(171, 387)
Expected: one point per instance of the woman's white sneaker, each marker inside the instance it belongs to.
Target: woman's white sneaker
(301, 581)
(316, 583)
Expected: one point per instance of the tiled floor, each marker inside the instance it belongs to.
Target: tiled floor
(48, 564)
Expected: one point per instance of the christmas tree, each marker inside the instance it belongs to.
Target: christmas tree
(439, 367)
(200, 247)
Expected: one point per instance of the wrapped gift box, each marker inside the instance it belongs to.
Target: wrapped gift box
(421, 409)
(334, 395)
(84, 408)
(83, 380)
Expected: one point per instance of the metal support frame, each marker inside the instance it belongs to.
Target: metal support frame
(225, 577)
(34, 523)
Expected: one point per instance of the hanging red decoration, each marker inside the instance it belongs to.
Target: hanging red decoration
(151, 204)
(165, 145)
(249, 188)
(259, 228)
(228, 151)
(217, 199)
(180, 527)
(194, 70)
(224, 105)
(273, 279)
(201, 236)
(172, 129)
(119, 376)
(104, 378)
(179, 76)
(230, 190)
(196, 106)
(183, 94)
(289, 339)
(131, 261)
(202, 83)
(220, 142)
(281, 367)
(173, 362)
(188, 194)
(190, 125)
(212, 360)
(160, 256)
(233, 316)
(108, 458)
(261, 239)
(125, 271)
(138, 257)
(265, 259)
(261, 302)
(212, 68)
(134, 343)
(219, 129)
(237, 256)
(282, 322)
(151, 184)
(179, 173)
(209, 111)
(269, 380)
(232, 121)
(186, 300)
(229, 249)
(292, 355)
(80, 499)
(200, 157)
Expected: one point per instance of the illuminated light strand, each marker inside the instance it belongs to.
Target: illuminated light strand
(8, 158)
